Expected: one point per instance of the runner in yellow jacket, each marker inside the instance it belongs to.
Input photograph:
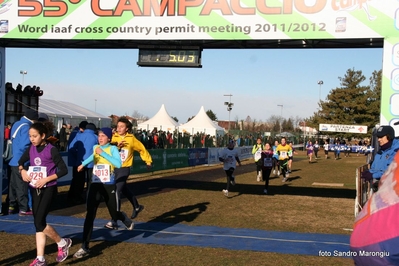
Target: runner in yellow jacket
(283, 151)
(127, 145)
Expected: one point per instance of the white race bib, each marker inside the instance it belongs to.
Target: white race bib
(283, 154)
(36, 173)
(123, 154)
(101, 173)
(257, 155)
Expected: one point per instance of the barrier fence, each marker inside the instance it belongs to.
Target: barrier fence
(363, 189)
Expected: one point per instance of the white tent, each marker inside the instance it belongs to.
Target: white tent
(202, 123)
(161, 120)
(69, 113)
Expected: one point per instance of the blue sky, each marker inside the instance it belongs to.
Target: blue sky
(110, 82)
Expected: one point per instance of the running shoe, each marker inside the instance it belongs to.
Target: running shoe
(12, 210)
(136, 211)
(287, 175)
(258, 178)
(111, 225)
(225, 192)
(127, 222)
(232, 180)
(64, 251)
(81, 253)
(278, 172)
(27, 213)
(284, 179)
(37, 262)
(274, 171)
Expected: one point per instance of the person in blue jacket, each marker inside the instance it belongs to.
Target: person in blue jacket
(383, 158)
(18, 190)
(81, 148)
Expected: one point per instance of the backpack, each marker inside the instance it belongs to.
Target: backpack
(8, 154)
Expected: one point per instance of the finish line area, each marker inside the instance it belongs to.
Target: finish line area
(187, 235)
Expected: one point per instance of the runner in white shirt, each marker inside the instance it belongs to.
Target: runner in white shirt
(229, 157)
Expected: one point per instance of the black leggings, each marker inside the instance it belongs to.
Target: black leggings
(41, 203)
(265, 176)
(275, 164)
(121, 175)
(97, 192)
(229, 176)
(283, 166)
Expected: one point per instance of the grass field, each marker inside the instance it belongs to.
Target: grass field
(193, 196)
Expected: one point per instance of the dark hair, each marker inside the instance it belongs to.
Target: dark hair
(46, 128)
(123, 119)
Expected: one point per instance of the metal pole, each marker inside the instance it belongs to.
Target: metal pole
(281, 115)
(320, 82)
(23, 73)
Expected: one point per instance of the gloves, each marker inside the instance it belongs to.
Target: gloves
(374, 187)
(367, 176)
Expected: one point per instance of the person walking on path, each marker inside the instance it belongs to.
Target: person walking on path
(267, 164)
(81, 148)
(229, 157)
(18, 190)
(102, 186)
(276, 166)
(256, 151)
(46, 166)
(283, 150)
(326, 146)
(316, 148)
(127, 145)
(309, 151)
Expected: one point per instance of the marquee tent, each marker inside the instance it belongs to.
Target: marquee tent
(202, 123)
(69, 113)
(161, 120)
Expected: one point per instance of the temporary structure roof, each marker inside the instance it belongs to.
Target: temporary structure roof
(161, 120)
(202, 123)
(71, 113)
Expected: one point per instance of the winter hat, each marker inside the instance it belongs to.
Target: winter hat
(90, 126)
(43, 117)
(107, 131)
(31, 114)
(83, 124)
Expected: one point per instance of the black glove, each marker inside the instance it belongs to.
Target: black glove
(375, 185)
(367, 176)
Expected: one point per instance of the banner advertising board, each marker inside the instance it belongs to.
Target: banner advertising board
(343, 128)
(196, 20)
(197, 156)
(161, 160)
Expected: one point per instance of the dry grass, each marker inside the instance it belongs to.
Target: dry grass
(193, 196)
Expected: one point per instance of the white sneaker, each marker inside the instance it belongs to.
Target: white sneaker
(284, 179)
(265, 191)
(232, 180)
(225, 192)
(111, 225)
(274, 171)
(258, 178)
(81, 253)
(127, 222)
(278, 173)
(287, 175)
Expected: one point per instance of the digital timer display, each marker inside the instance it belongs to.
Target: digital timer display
(170, 57)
